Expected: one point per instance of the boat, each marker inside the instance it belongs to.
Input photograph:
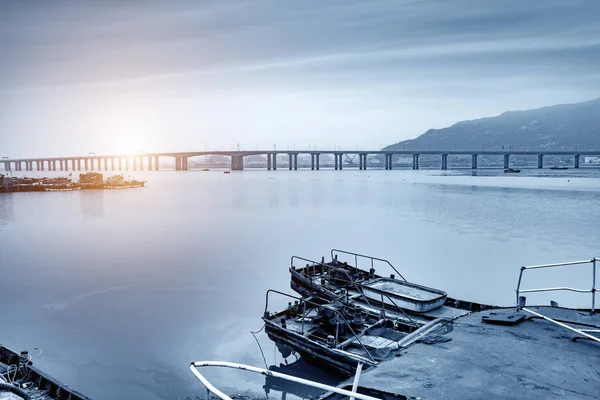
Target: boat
(119, 182)
(337, 335)
(205, 169)
(371, 291)
(20, 377)
(347, 315)
(226, 172)
(511, 171)
(560, 168)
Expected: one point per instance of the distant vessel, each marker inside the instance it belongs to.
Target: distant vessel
(511, 171)
(557, 167)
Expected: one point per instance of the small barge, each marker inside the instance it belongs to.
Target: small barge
(20, 379)
(90, 180)
(512, 171)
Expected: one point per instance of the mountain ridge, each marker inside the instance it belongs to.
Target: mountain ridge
(558, 127)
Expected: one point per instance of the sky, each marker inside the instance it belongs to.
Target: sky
(114, 77)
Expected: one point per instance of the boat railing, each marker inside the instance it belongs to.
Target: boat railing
(316, 305)
(521, 300)
(352, 283)
(593, 263)
(357, 257)
(266, 372)
(360, 292)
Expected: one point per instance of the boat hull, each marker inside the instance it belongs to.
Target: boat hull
(315, 353)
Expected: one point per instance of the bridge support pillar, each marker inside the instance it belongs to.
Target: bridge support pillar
(290, 161)
(415, 161)
(312, 161)
(340, 158)
(577, 160)
(177, 163)
(184, 164)
(540, 161)
(156, 163)
(295, 161)
(335, 161)
(360, 165)
(274, 161)
(444, 161)
(474, 161)
(506, 161)
(317, 158)
(365, 162)
(269, 166)
(237, 163)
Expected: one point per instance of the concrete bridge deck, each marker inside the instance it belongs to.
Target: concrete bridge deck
(386, 159)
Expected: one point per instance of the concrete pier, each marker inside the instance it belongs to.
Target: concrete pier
(274, 161)
(474, 161)
(269, 162)
(295, 161)
(415, 161)
(444, 161)
(576, 160)
(540, 161)
(506, 161)
(290, 161)
(317, 157)
(237, 163)
(312, 161)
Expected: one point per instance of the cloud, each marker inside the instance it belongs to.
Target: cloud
(383, 53)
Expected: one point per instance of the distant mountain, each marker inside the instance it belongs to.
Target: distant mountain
(561, 127)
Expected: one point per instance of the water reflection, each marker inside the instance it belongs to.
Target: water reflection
(7, 213)
(299, 369)
(92, 203)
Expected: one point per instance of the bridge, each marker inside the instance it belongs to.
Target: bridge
(151, 161)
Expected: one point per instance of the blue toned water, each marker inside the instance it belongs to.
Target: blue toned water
(122, 289)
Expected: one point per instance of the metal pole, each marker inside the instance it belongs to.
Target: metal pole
(356, 379)
(563, 325)
(519, 286)
(593, 285)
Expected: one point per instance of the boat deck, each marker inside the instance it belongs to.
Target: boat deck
(535, 359)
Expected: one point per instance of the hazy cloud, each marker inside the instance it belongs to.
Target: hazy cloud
(260, 72)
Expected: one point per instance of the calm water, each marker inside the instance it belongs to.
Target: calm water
(122, 289)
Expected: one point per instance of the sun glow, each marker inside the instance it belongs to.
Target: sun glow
(128, 145)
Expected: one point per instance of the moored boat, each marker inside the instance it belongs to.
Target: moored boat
(338, 335)
(20, 377)
(511, 171)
